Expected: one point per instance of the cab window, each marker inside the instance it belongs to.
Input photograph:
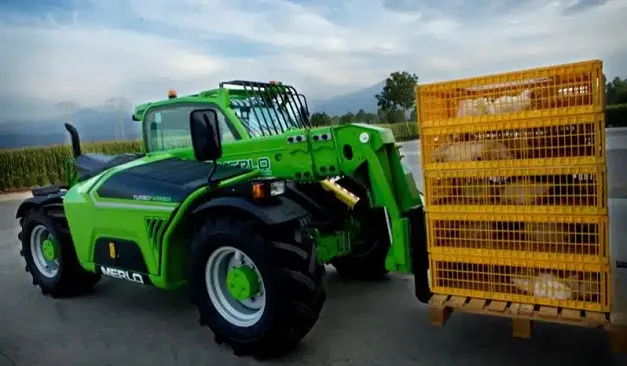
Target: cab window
(168, 127)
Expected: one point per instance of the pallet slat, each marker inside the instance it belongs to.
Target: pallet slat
(446, 304)
(569, 314)
(498, 306)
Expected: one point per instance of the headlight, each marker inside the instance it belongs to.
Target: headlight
(277, 188)
(266, 189)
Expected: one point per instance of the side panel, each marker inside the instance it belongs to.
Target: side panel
(120, 219)
(120, 233)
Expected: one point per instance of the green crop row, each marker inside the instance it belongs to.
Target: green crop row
(28, 167)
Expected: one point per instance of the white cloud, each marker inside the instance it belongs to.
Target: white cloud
(323, 47)
(87, 65)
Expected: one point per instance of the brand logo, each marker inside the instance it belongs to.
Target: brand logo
(122, 274)
(262, 163)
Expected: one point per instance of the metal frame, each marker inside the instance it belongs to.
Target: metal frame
(265, 95)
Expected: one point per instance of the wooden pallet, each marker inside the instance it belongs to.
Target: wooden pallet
(523, 316)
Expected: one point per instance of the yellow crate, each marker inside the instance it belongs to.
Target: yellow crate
(579, 239)
(540, 92)
(569, 285)
(558, 141)
(562, 190)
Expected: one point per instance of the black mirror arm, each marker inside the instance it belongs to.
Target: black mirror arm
(213, 170)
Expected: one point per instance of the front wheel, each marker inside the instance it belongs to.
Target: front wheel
(366, 261)
(261, 293)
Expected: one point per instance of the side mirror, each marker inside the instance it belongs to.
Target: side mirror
(206, 136)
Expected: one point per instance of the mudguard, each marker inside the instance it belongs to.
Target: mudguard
(419, 253)
(44, 196)
(282, 211)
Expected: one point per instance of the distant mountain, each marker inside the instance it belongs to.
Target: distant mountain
(353, 102)
(92, 125)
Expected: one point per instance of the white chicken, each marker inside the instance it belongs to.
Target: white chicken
(472, 151)
(544, 285)
(472, 107)
(504, 104)
(510, 104)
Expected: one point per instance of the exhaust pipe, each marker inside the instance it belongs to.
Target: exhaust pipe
(76, 142)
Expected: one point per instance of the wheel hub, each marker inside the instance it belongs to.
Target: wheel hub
(49, 250)
(44, 251)
(242, 282)
(235, 286)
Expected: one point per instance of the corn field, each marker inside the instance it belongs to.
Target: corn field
(38, 166)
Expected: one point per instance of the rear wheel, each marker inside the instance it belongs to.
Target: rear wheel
(259, 292)
(50, 257)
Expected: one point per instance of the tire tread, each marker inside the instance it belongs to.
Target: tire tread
(304, 291)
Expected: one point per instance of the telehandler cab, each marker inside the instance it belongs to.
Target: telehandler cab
(238, 196)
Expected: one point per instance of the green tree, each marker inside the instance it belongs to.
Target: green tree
(382, 116)
(360, 117)
(321, 119)
(615, 91)
(393, 115)
(399, 92)
(396, 115)
(347, 118)
(370, 118)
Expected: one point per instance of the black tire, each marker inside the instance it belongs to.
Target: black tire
(295, 284)
(366, 262)
(71, 279)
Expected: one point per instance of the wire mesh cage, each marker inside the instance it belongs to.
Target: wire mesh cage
(568, 285)
(579, 138)
(557, 190)
(541, 92)
(580, 239)
(515, 186)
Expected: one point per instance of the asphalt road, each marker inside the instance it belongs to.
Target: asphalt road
(361, 324)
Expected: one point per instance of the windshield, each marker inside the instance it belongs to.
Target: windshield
(267, 109)
(262, 120)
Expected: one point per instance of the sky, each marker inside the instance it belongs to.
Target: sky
(86, 51)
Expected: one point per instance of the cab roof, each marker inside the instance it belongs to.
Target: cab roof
(221, 96)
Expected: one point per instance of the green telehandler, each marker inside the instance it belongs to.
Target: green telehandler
(240, 198)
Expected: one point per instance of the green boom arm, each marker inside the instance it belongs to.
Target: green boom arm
(365, 153)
